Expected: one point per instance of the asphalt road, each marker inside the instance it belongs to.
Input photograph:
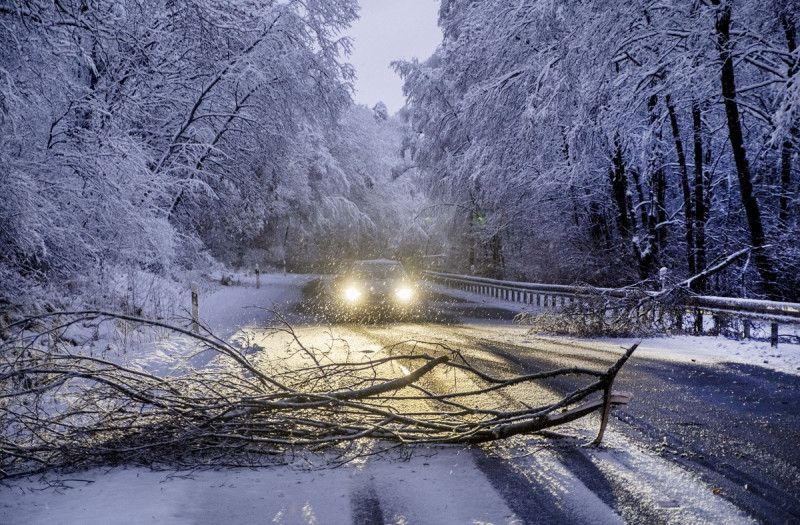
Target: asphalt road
(733, 428)
(736, 427)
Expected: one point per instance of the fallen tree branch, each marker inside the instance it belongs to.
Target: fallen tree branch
(716, 267)
(63, 406)
(633, 311)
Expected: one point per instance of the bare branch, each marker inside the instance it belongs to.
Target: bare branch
(61, 406)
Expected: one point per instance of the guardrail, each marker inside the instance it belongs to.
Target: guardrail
(721, 309)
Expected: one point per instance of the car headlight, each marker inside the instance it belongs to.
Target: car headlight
(352, 294)
(404, 294)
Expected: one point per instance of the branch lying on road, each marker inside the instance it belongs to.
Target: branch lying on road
(63, 405)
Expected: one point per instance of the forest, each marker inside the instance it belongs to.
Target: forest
(596, 142)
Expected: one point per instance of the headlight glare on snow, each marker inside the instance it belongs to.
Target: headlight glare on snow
(352, 294)
(404, 294)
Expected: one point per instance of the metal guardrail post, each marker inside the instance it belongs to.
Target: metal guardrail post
(718, 323)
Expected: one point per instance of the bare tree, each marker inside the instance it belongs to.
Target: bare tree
(736, 137)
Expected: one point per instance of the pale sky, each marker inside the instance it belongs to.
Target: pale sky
(390, 30)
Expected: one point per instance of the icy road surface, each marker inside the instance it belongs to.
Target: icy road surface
(710, 436)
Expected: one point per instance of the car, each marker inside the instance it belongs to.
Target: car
(376, 288)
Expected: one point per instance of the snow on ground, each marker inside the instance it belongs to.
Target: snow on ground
(655, 482)
(437, 486)
(717, 349)
(434, 486)
(224, 310)
(227, 309)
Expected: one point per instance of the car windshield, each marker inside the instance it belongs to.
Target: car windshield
(372, 271)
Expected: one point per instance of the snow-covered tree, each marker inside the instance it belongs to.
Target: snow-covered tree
(131, 132)
(354, 201)
(600, 141)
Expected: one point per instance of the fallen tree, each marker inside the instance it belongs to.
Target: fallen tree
(597, 312)
(64, 403)
(632, 311)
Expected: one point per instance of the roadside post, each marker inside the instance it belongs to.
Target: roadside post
(195, 309)
(258, 277)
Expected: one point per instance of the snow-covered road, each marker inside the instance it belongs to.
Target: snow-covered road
(709, 437)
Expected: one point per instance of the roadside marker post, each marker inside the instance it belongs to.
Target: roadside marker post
(195, 309)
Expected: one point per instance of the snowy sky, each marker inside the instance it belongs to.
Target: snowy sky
(390, 30)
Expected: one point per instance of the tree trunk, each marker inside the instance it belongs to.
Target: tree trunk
(626, 218)
(619, 186)
(699, 197)
(646, 249)
(787, 148)
(687, 194)
(786, 182)
(498, 261)
(752, 210)
(471, 240)
(658, 187)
